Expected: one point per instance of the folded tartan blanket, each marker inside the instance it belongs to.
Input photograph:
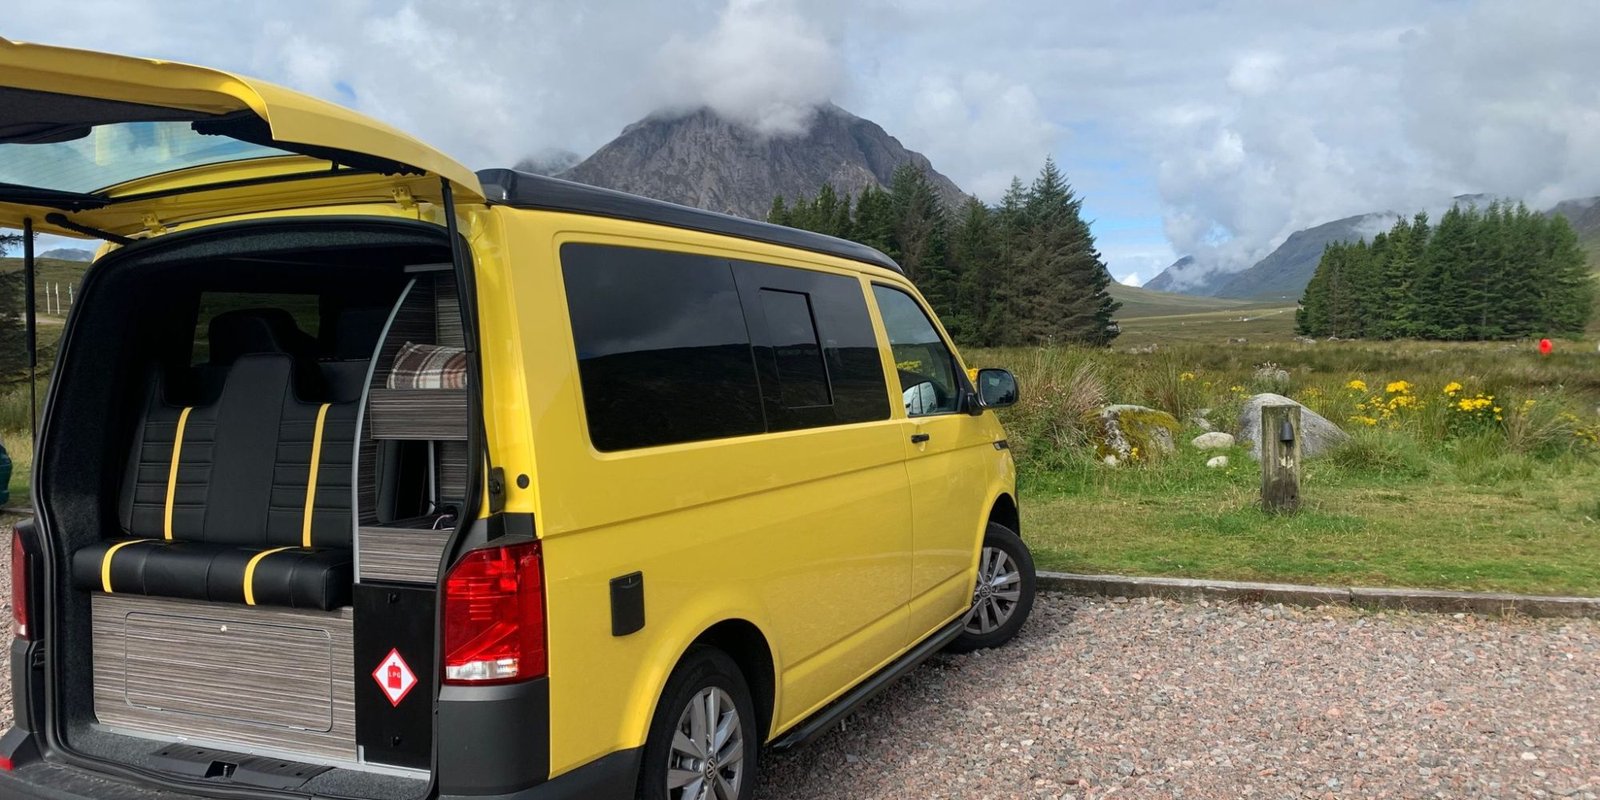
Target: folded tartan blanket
(428, 366)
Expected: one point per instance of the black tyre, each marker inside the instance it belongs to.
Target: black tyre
(1003, 596)
(703, 741)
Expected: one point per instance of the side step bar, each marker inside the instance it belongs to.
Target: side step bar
(824, 720)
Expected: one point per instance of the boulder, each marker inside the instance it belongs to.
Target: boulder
(1271, 376)
(1125, 427)
(1317, 434)
(1215, 440)
(1218, 462)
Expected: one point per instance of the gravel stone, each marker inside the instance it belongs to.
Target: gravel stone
(1162, 699)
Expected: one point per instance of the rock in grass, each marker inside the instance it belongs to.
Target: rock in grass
(1218, 462)
(1215, 440)
(1317, 434)
(1136, 433)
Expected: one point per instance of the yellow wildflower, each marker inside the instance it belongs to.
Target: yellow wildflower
(1452, 387)
(1186, 376)
(1356, 385)
(1397, 387)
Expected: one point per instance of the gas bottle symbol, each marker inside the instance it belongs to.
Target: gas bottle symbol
(394, 677)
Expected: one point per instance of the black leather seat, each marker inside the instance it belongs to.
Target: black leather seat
(230, 517)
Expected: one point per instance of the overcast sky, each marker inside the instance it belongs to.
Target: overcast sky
(1207, 128)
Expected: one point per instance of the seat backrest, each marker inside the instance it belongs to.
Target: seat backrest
(159, 499)
(243, 464)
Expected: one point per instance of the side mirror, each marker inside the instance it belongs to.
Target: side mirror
(997, 388)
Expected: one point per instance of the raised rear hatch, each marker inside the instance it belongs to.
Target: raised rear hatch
(124, 145)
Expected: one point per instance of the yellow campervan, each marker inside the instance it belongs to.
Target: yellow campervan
(364, 475)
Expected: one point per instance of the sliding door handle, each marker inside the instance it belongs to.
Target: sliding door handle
(919, 438)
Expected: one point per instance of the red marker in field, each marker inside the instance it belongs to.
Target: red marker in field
(1545, 347)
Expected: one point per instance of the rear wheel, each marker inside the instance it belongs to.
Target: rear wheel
(703, 741)
(1003, 594)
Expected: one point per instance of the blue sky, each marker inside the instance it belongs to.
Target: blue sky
(1207, 128)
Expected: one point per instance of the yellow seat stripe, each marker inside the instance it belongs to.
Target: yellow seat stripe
(172, 472)
(311, 480)
(250, 573)
(105, 563)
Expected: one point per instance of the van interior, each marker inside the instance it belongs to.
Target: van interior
(256, 456)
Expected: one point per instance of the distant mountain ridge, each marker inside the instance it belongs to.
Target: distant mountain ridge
(1284, 273)
(69, 254)
(704, 160)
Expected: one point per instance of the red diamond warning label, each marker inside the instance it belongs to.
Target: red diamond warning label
(394, 677)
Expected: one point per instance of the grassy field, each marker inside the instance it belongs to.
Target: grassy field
(1504, 496)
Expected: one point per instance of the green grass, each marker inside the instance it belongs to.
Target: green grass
(1427, 495)
(1421, 525)
(19, 446)
(1140, 302)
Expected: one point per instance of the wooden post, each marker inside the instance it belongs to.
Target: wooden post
(1280, 459)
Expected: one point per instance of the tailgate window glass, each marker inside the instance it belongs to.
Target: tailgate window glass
(90, 159)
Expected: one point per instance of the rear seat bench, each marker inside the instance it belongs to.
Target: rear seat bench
(243, 500)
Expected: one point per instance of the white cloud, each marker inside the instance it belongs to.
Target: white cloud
(981, 129)
(1130, 279)
(1255, 73)
(1234, 122)
(763, 64)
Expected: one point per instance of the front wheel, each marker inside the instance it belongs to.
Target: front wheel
(1003, 595)
(703, 741)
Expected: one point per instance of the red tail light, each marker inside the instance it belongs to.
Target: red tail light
(494, 617)
(19, 584)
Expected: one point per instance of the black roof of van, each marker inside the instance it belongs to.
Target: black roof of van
(526, 190)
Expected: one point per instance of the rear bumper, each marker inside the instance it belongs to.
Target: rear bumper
(613, 777)
(609, 777)
(42, 780)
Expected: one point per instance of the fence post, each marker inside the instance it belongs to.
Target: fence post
(1280, 459)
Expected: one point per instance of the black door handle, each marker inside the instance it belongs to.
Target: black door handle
(919, 438)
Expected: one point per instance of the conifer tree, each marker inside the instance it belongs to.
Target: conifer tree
(13, 333)
(779, 213)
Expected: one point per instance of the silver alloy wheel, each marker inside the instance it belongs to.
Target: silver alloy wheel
(707, 758)
(996, 595)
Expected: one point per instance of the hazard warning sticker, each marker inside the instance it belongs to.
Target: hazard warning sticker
(394, 677)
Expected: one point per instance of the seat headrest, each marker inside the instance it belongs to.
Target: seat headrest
(256, 330)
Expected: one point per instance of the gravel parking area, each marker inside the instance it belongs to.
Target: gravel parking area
(1152, 698)
(1156, 699)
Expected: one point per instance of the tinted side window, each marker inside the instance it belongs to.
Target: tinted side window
(802, 379)
(851, 385)
(663, 353)
(926, 365)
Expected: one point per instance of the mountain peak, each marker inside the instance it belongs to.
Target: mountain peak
(699, 158)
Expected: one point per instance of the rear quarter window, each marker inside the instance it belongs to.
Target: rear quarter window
(663, 353)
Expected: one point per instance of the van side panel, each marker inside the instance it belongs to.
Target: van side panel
(805, 534)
